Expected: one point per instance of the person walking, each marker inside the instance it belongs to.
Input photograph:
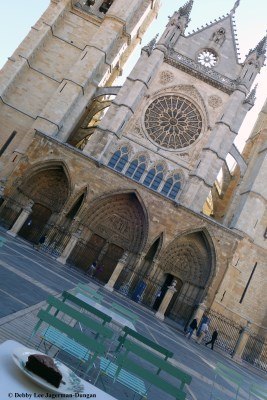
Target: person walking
(213, 339)
(192, 327)
(203, 332)
(40, 242)
(91, 270)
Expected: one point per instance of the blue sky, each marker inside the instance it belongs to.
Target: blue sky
(18, 16)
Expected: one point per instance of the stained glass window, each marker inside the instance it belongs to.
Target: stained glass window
(119, 159)
(172, 186)
(173, 122)
(154, 177)
(136, 168)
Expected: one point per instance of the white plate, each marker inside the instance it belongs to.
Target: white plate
(70, 383)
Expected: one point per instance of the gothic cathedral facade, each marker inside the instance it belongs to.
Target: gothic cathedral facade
(121, 175)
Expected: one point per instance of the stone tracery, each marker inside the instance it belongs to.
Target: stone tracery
(173, 122)
(119, 219)
(188, 258)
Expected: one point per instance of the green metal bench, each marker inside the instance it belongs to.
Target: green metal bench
(66, 296)
(124, 312)
(131, 373)
(66, 338)
(143, 340)
(229, 375)
(89, 292)
(2, 241)
(102, 332)
(257, 392)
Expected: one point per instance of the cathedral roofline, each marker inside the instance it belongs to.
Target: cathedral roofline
(231, 17)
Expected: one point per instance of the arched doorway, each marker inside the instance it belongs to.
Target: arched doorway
(117, 224)
(189, 259)
(49, 190)
(35, 223)
(168, 281)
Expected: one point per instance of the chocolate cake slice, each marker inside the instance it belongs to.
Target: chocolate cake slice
(44, 367)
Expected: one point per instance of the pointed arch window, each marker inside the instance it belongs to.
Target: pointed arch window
(136, 168)
(119, 159)
(154, 177)
(172, 186)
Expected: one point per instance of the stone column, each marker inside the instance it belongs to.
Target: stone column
(21, 219)
(103, 252)
(115, 274)
(70, 246)
(200, 312)
(166, 301)
(2, 189)
(153, 268)
(241, 343)
(141, 257)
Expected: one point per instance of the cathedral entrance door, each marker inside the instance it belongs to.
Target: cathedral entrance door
(162, 292)
(84, 254)
(33, 227)
(178, 288)
(109, 262)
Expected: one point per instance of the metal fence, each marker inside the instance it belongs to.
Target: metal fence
(255, 352)
(228, 331)
(56, 239)
(9, 212)
(139, 287)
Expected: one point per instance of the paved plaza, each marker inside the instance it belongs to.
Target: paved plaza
(28, 277)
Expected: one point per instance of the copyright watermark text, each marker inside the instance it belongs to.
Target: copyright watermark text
(22, 395)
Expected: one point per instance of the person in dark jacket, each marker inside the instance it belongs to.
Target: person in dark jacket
(192, 327)
(213, 339)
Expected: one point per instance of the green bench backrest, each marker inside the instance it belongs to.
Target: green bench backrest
(158, 362)
(79, 317)
(81, 287)
(258, 391)
(228, 373)
(143, 339)
(90, 343)
(70, 297)
(135, 367)
(124, 311)
(2, 241)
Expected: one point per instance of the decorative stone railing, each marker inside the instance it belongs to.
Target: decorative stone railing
(208, 74)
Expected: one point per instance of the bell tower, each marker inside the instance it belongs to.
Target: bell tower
(73, 49)
(182, 106)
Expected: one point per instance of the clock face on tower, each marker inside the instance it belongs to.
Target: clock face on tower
(172, 122)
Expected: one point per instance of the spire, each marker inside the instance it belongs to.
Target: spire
(186, 9)
(251, 98)
(237, 3)
(181, 18)
(260, 49)
(151, 45)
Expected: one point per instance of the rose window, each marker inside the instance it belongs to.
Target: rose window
(207, 58)
(173, 122)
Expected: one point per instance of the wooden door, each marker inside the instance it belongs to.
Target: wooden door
(84, 254)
